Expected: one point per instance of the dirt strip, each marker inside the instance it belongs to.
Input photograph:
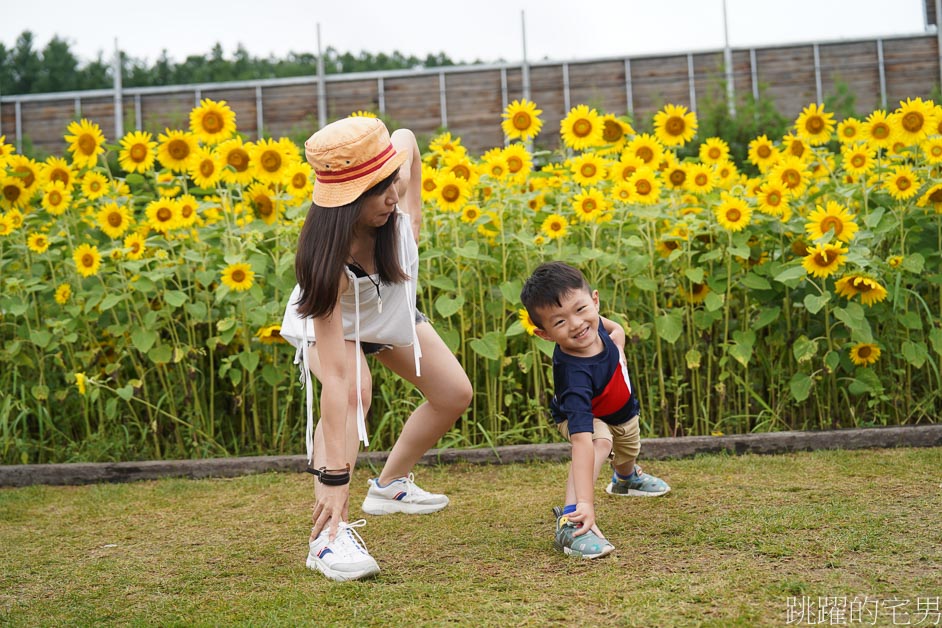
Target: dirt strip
(651, 449)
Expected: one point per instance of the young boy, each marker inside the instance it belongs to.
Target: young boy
(594, 405)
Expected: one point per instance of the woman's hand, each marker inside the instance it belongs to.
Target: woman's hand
(330, 506)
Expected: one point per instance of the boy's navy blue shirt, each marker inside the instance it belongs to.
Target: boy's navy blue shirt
(592, 387)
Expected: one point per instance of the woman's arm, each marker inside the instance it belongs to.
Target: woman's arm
(409, 184)
(616, 331)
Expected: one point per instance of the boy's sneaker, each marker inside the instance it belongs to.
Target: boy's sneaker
(639, 483)
(344, 558)
(402, 495)
(588, 545)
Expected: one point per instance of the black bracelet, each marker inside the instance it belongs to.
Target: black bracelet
(331, 477)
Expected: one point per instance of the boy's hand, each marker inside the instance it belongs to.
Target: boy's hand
(584, 514)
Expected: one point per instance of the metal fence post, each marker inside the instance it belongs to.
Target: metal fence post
(118, 99)
(881, 66)
(443, 99)
(691, 82)
(817, 74)
(629, 96)
(259, 112)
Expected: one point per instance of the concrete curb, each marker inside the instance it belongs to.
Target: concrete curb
(651, 449)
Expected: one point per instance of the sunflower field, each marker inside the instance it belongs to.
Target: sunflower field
(143, 282)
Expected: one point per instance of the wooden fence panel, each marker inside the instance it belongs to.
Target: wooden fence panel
(290, 110)
(856, 66)
(242, 102)
(414, 102)
(656, 82)
(912, 68)
(474, 107)
(787, 74)
(601, 85)
(350, 96)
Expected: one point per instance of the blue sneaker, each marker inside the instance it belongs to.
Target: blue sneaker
(588, 545)
(639, 484)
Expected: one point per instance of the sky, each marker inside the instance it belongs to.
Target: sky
(485, 30)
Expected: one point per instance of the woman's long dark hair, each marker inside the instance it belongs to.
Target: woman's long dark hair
(324, 245)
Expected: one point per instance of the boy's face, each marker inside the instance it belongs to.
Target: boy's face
(574, 325)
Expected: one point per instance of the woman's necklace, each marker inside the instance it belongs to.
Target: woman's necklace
(379, 295)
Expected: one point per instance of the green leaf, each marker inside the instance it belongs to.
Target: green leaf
(935, 337)
(235, 376)
(913, 263)
(804, 349)
(175, 298)
(669, 327)
(694, 274)
(40, 337)
(800, 386)
(755, 282)
(451, 338)
(789, 276)
(767, 316)
(739, 251)
(814, 303)
(915, 353)
(125, 392)
(272, 376)
(832, 359)
(910, 320)
(39, 392)
(865, 381)
(515, 329)
(443, 283)
(488, 346)
(160, 354)
(18, 308)
(873, 218)
(249, 360)
(197, 309)
(713, 302)
(143, 339)
(511, 291)
(693, 358)
(110, 301)
(646, 284)
(446, 306)
(545, 346)
(740, 352)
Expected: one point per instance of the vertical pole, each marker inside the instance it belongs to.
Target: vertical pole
(381, 95)
(503, 96)
(138, 121)
(18, 123)
(567, 105)
(881, 68)
(728, 62)
(817, 74)
(754, 69)
(118, 99)
(525, 67)
(629, 95)
(321, 86)
(259, 112)
(442, 99)
(938, 37)
(691, 82)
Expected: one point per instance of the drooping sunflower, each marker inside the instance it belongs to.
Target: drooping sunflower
(587, 169)
(833, 217)
(877, 130)
(615, 133)
(646, 148)
(582, 128)
(37, 242)
(791, 173)
(521, 120)
(266, 205)
(137, 151)
(824, 259)
(858, 159)
(453, 192)
(63, 293)
(87, 259)
(526, 322)
(763, 154)
(212, 122)
(555, 226)
(733, 213)
(674, 125)
(864, 354)
(56, 198)
(162, 215)
(697, 293)
(869, 289)
(772, 199)
(298, 180)
(238, 277)
(86, 143)
(815, 125)
(176, 149)
(270, 335)
(270, 159)
(236, 160)
(932, 150)
(589, 204)
(114, 220)
(914, 120)
(134, 245)
(902, 183)
(647, 186)
(519, 161)
(94, 185)
(932, 197)
(700, 178)
(714, 150)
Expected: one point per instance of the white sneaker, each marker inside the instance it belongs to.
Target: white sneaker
(401, 495)
(345, 558)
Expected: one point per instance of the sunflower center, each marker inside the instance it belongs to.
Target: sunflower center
(115, 219)
(589, 206)
(271, 161)
(497, 170)
(643, 186)
(164, 214)
(733, 214)
(299, 180)
(913, 122)
(764, 151)
(936, 150)
(186, 210)
(95, 186)
(265, 206)
(832, 222)
(522, 121)
(612, 131)
(55, 197)
(671, 245)
(450, 193)
(212, 122)
(903, 183)
(791, 178)
(178, 149)
(936, 196)
(87, 144)
(646, 154)
(556, 226)
(135, 248)
(814, 124)
(714, 153)
(797, 149)
(138, 153)
(59, 175)
(88, 260)
(238, 275)
(701, 179)
(675, 126)
(858, 160)
(238, 159)
(588, 170)
(429, 185)
(849, 132)
(581, 128)
(774, 198)
(880, 131)
(207, 167)
(678, 176)
(863, 352)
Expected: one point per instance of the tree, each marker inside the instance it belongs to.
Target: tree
(59, 69)
(26, 64)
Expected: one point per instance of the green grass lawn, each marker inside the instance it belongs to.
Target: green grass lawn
(738, 541)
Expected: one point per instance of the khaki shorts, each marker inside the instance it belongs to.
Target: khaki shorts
(625, 437)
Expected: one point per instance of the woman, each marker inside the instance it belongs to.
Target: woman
(356, 266)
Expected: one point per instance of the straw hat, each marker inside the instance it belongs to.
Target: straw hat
(349, 157)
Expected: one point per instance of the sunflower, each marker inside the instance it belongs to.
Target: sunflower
(877, 130)
(519, 161)
(445, 143)
(163, 214)
(238, 277)
(114, 220)
(697, 292)
(823, 260)
(267, 206)
(528, 325)
(589, 204)
(6, 225)
(94, 185)
(495, 166)
(87, 260)
(794, 146)
(623, 192)
(270, 334)
(587, 169)
(205, 168)
(933, 197)
(864, 354)
(647, 187)
(189, 208)
(212, 122)
(902, 183)
(791, 173)
(932, 150)
(622, 170)
(134, 245)
(56, 198)
(537, 202)
(137, 152)
(453, 192)
(298, 180)
(615, 132)
(914, 120)
(236, 160)
(63, 293)
(726, 174)
(676, 176)
(176, 149)
(461, 166)
(714, 150)
(86, 143)
(869, 289)
(858, 159)
(645, 147)
(582, 128)
(362, 114)
(57, 169)
(28, 170)
(763, 154)
(674, 125)
(12, 192)
(521, 120)
(815, 125)
(37, 242)
(733, 213)
(270, 159)
(849, 131)
(470, 214)
(894, 261)
(700, 178)
(772, 199)
(833, 217)
(5, 150)
(429, 182)
(554, 226)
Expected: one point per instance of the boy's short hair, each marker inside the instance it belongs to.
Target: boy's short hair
(548, 284)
